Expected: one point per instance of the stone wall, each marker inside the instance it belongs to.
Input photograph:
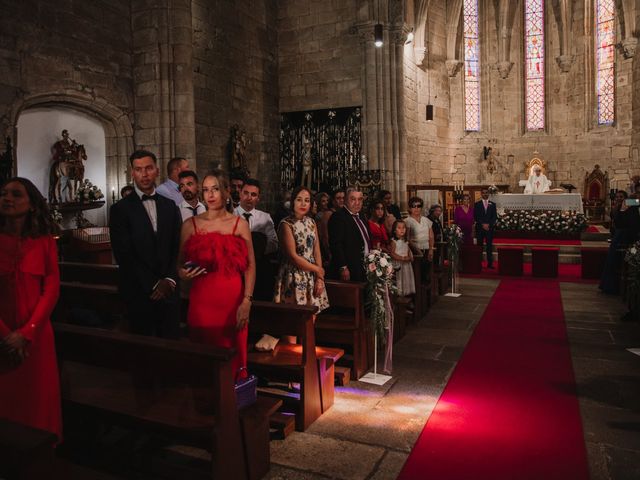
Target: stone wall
(572, 143)
(320, 58)
(236, 82)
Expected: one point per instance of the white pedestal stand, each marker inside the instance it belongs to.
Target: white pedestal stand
(454, 282)
(375, 377)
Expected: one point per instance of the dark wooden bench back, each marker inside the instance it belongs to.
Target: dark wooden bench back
(173, 385)
(282, 319)
(345, 294)
(92, 273)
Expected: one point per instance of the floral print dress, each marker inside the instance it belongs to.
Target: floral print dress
(294, 285)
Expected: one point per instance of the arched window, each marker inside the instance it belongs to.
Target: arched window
(534, 65)
(605, 13)
(471, 66)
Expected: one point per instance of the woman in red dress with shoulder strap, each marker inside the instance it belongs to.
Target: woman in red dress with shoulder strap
(377, 215)
(29, 289)
(219, 253)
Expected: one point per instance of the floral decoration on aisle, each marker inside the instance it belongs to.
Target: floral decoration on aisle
(453, 236)
(380, 286)
(542, 221)
(88, 192)
(632, 259)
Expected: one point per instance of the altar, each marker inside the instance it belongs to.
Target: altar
(565, 202)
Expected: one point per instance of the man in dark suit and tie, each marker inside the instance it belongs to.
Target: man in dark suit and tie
(145, 237)
(349, 239)
(485, 216)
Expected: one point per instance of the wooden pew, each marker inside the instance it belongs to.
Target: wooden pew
(423, 296)
(25, 453)
(101, 303)
(311, 366)
(92, 273)
(181, 389)
(344, 324)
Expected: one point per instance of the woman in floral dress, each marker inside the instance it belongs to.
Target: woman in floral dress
(301, 277)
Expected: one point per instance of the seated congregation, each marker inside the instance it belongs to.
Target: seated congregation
(214, 330)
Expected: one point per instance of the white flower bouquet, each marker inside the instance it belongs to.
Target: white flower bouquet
(88, 192)
(542, 221)
(632, 260)
(380, 282)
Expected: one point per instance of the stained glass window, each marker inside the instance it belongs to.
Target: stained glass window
(471, 66)
(534, 64)
(605, 60)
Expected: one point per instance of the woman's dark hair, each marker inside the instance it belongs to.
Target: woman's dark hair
(296, 191)
(38, 222)
(372, 210)
(414, 200)
(395, 226)
(223, 183)
(433, 207)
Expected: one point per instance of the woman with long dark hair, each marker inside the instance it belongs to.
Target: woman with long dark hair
(29, 289)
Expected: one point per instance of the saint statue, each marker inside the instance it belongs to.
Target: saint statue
(307, 163)
(537, 182)
(67, 170)
(238, 147)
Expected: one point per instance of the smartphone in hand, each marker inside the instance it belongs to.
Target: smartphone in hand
(632, 202)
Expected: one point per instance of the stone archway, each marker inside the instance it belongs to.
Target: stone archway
(117, 127)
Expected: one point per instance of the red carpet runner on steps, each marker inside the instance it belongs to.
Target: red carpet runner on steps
(510, 409)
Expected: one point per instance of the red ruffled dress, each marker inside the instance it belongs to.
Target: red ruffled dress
(215, 297)
(29, 289)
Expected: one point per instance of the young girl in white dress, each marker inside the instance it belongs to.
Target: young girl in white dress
(402, 258)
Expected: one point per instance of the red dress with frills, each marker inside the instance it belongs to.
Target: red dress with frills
(29, 289)
(214, 297)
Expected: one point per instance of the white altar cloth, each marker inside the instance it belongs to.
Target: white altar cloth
(542, 201)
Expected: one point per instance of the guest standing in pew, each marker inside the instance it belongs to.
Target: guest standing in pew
(170, 188)
(402, 259)
(377, 216)
(217, 256)
(463, 217)
(191, 204)
(420, 236)
(300, 279)
(29, 289)
(485, 215)
(349, 239)
(145, 236)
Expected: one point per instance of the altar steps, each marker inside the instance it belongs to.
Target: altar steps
(569, 254)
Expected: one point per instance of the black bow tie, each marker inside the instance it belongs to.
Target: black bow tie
(149, 197)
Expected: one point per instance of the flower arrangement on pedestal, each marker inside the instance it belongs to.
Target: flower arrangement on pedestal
(453, 236)
(380, 283)
(492, 189)
(380, 286)
(88, 192)
(542, 221)
(632, 259)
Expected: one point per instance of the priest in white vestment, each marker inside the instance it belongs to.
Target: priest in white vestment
(537, 183)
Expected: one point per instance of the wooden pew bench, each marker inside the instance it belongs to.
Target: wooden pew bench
(177, 388)
(303, 362)
(89, 304)
(92, 273)
(345, 325)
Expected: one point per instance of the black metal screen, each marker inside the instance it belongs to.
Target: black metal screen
(334, 136)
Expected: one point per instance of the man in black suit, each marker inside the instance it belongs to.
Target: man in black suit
(145, 237)
(349, 239)
(485, 216)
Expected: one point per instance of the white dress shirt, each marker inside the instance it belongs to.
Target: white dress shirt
(170, 190)
(187, 212)
(261, 222)
(149, 206)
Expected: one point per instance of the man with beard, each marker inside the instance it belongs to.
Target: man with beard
(236, 181)
(188, 185)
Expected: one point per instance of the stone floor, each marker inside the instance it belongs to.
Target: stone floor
(370, 431)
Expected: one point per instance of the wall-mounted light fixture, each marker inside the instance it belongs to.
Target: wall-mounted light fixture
(409, 38)
(429, 113)
(378, 38)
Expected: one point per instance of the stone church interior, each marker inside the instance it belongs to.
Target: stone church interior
(304, 239)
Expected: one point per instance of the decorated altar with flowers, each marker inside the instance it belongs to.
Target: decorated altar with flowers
(540, 224)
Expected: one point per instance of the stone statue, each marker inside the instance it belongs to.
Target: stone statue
(238, 148)
(67, 170)
(307, 163)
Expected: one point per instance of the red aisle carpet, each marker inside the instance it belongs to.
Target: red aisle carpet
(510, 409)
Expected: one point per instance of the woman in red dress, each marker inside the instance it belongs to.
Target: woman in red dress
(379, 236)
(463, 217)
(29, 288)
(216, 246)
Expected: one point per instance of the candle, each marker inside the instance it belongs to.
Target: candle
(113, 195)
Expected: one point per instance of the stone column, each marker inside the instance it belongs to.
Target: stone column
(163, 78)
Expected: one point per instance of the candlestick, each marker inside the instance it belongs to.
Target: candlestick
(113, 195)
